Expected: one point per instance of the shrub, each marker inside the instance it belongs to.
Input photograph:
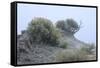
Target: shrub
(42, 30)
(69, 25)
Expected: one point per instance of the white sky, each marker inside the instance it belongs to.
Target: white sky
(26, 12)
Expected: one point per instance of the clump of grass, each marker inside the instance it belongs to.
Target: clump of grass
(89, 48)
(64, 45)
(63, 56)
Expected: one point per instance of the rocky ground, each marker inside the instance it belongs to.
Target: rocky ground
(31, 53)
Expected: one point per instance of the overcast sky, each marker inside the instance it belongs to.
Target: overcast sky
(87, 33)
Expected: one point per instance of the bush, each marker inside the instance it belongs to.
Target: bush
(69, 25)
(42, 30)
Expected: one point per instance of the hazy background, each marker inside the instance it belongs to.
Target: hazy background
(87, 33)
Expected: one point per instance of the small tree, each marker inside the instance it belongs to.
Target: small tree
(68, 25)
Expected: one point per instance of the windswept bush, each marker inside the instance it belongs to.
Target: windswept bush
(42, 30)
(68, 25)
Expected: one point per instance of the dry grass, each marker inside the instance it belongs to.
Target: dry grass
(74, 55)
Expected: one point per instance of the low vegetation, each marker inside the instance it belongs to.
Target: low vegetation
(89, 48)
(82, 54)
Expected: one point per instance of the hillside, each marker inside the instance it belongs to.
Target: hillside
(44, 53)
(42, 42)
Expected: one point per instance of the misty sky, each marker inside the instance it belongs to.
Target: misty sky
(87, 33)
